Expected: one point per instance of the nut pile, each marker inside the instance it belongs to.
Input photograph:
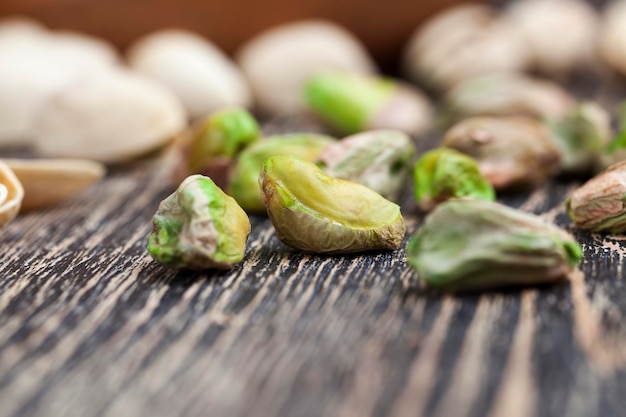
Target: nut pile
(487, 83)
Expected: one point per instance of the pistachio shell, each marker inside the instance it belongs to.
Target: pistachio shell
(612, 42)
(467, 245)
(11, 194)
(314, 212)
(49, 181)
(244, 186)
(199, 227)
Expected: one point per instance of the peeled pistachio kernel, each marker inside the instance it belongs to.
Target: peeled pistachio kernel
(507, 95)
(600, 204)
(214, 143)
(468, 245)
(11, 194)
(199, 227)
(244, 185)
(379, 159)
(511, 151)
(48, 181)
(316, 213)
(443, 173)
(582, 136)
(352, 103)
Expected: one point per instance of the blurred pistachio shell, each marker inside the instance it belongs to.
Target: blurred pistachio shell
(244, 185)
(194, 69)
(542, 23)
(442, 174)
(599, 205)
(353, 103)
(511, 151)
(462, 42)
(199, 227)
(314, 212)
(615, 151)
(507, 95)
(11, 194)
(612, 43)
(378, 159)
(470, 245)
(277, 62)
(211, 146)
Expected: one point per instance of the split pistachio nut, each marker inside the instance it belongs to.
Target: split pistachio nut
(244, 184)
(470, 245)
(353, 103)
(378, 159)
(214, 143)
(11, 194)
(600, 204)
(511, 151)
(443, 174)
(507, 95)
(314, 212)
(199, 227)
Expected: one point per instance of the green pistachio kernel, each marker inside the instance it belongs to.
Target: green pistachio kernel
(378, 159)
(199, 227)
(467, 245)
(600, 204)
(244, 185)
(443, 173)
(314, 212)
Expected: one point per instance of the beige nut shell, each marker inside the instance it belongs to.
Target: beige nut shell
(11, 194)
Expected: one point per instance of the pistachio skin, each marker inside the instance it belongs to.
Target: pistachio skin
(244, 185)
(378, 159)
(199, 227)
(316, 213)
(470, 245)
(442, 174)
(599, 205)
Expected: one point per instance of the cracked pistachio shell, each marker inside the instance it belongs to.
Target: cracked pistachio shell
(352, 103)
(244, 185)
(11, 194)
(468, 245)
(511, 151)
(582, 136)
(379, 159)
(443, 173)
(507, 95)
(199, 227)
(213, 143)
(316, 213)
(599, 205)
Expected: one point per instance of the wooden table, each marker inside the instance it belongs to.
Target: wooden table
(91, 326)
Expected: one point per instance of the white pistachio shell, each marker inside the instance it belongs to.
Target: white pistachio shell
(194, 69)
(279, 61)
(11, 194)
(48, 181)
(612, 41)
(108, 117)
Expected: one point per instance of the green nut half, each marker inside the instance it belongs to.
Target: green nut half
(378, 159)
(316, 213)
(443, 173)
(244, 185)
(468, 245)
(199, 227)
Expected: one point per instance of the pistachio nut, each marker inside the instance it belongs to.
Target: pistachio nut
(507, 95)
(352, 103)
(612, 37)
(378, 159)
(199, 227)
(511, 151)
(210, 147)
(615, 150)
(443, 173)
(11, 194)
(540, 21)
(462, 42)
(316, 213)
(468, 245)
(599, 205)
(244, 185)
(48, 181)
